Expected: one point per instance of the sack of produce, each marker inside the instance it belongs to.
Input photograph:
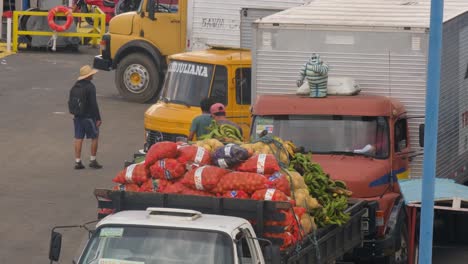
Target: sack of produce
(210, 144)
(229, 155)
(280, 182)
(287, 222)
(151, 185)
(193, 155)
(160, 150)
(128, 187)
(262, 164)
(168, 169)
(270, 195)
(179, 188)
(203, 178)
(287, 237)
(303, 199)
(295, 180)
(245, 181)
(236, 194)
(134, 173)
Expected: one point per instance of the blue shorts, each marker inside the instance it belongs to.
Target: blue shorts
(85, 127)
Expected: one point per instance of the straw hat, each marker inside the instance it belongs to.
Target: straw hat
(86, 71)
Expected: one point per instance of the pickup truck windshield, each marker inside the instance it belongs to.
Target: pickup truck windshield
(187, 82)
(149, 245)
(344, 135)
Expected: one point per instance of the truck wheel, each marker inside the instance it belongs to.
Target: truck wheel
(137, 78)
(401, 255)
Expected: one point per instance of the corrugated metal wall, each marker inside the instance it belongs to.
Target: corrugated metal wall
(248, 16)
(383, 63)
(217, 22)
(452, 146)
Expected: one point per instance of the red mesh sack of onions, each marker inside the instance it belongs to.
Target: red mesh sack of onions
(129, 187)
(270, 195)
(204, 178)
(239, 194)
(168, 169)
(280, 182)
(151, 185)
(262, 164)
(134, 173)
(179, 188)
(160, 150)
(245, 181)
(193, 155)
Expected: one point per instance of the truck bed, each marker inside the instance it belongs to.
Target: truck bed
(323, 246)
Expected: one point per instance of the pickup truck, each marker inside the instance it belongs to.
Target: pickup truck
(172, 228)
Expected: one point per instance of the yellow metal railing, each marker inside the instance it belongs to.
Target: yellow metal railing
(98, 28)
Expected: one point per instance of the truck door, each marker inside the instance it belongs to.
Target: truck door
(166, 28)
(247, 247)
(401, 149)
(241, 98)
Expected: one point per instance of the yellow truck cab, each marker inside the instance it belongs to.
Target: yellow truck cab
(221, 73)
(138, 43)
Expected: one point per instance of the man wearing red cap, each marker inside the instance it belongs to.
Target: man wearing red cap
(218, 112)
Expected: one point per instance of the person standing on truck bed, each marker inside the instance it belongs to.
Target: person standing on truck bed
(200, 123)
(218, 112)
(87, 119)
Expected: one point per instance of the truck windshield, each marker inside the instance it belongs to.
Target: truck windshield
(187, 82)
(149, 245)
(346, 135)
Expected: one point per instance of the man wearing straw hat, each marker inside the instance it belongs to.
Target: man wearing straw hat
(87, 120)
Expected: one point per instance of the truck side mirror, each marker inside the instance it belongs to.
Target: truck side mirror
(55, 246)
(150, 8)
(421, 135)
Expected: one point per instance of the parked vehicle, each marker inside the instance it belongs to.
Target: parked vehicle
(170, 228)
(185, 25)
(387, 57)
(106, 6)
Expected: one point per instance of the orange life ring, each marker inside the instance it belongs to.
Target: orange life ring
(51, 18)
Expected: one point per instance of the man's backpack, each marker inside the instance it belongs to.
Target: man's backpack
(77, 100)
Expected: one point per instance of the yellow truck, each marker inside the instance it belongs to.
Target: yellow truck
(162, 35)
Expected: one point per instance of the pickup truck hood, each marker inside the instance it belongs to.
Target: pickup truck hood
(122, 24)
(170, 118)
(365, 177)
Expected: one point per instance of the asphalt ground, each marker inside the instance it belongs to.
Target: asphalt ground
(39, 188)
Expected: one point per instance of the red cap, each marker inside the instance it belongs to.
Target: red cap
(217, 108)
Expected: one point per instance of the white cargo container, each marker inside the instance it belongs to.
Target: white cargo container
(218, 22)
(383, 45)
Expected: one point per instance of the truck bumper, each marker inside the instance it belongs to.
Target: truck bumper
(102, 64)
(376, 248)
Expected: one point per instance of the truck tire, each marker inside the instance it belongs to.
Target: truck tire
(137, 78)
(401, 255)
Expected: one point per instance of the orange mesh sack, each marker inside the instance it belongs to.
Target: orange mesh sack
(280, 182)
(160, 150)
(168, 169)
(129, 187)
(193, 155)
(287, 237)
(204, 178)
(245, 181)
(134, 173)
(179, 188)
(270, 195)
(151, 185)
(236, 194)
(262, 164)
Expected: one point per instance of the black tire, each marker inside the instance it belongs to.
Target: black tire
(401, 255)
(146, 78)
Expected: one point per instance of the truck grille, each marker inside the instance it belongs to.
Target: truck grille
(156, 136)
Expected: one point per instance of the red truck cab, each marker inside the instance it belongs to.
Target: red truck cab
(361, 140)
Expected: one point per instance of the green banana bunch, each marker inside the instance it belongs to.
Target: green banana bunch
(332, 195)
(224, 133)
